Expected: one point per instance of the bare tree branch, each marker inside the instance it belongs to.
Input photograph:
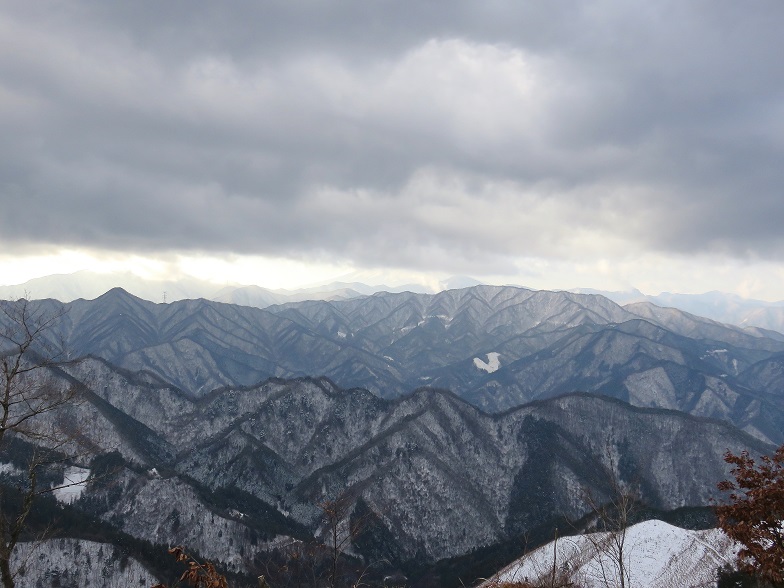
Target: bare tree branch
(613, 515)
(26, 397)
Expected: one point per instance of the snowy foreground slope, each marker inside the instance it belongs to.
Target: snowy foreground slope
(658, 555)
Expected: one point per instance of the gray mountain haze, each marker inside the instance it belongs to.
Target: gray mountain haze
(88, 285)
(497, 347)
(719, 306)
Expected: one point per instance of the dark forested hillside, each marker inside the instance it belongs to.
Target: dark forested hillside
(441, 477)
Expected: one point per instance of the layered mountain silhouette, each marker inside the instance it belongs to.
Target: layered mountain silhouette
(440, 477)
(496, 347)
(446, 423)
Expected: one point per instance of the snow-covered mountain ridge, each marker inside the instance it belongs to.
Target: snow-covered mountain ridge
(657, 555)
(542, 344)
(719, 306)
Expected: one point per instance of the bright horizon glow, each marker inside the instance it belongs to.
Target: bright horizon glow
(270, 273)
(651, 274)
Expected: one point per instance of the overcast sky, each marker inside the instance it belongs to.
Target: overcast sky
(602, 144)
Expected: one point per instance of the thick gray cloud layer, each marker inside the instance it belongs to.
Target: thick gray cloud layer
(410, 134)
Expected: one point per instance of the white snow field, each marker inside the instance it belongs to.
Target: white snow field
(657, 555)
(491, 365)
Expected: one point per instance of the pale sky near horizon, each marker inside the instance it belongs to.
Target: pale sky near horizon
(600, 144)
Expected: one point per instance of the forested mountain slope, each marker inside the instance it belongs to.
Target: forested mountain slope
(496, 347)
(441, 477)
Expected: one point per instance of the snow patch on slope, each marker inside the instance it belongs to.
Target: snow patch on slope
(491, 365)
(657, 555)
(9, 468)
(74, 482)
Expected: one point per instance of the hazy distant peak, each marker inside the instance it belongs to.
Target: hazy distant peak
(621, 297)
(117, 291)
(722, 307)
(719, 306)
(90, 285)
(457, 282)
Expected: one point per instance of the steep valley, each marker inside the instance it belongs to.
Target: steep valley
(236, 472)
(442, 425)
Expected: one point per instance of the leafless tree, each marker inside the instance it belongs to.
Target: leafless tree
(341, 530)
(612, 514)
(322, 561)
(26, 401)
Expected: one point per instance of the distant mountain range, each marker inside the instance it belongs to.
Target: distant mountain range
(496, 347)
(89, 285)
(719, 306)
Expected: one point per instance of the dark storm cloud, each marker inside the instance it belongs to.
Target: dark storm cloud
(422, 134)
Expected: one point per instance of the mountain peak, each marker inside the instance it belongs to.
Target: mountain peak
(117, 293)
(457, 282)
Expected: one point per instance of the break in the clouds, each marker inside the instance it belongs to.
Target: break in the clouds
(457, 137)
